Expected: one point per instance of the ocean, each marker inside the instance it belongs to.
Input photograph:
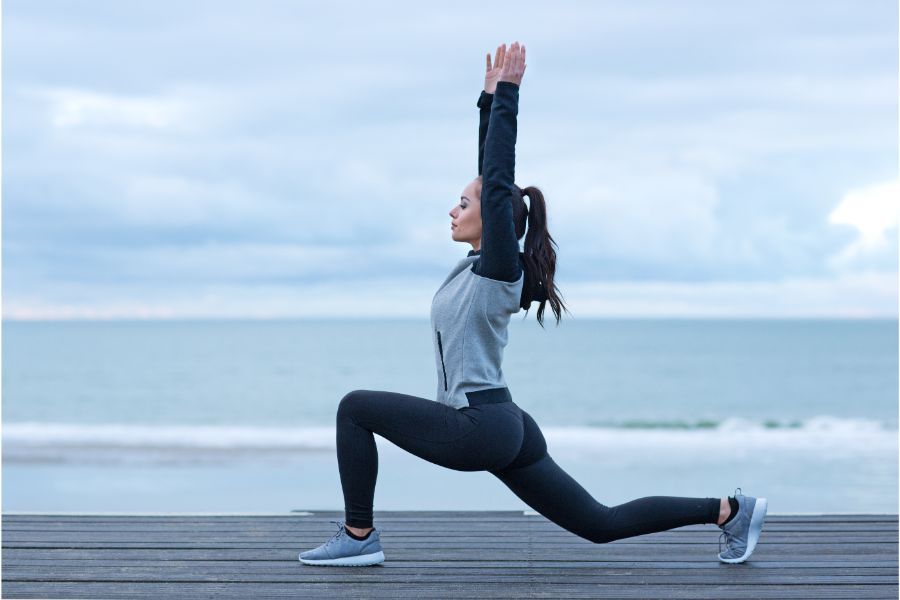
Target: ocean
(238, 416)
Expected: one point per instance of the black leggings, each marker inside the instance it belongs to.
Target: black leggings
(498, 437)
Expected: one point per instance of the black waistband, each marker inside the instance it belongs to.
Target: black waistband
(491, 396)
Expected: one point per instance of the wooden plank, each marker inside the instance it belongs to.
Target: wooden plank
(447, 514)
(536, 540)
(487, 550)
(444, 554)
(250, 535)
(523, 567)
(418, 590)
(393, 521)
(440, 554)
(291, 573)
(498, 563)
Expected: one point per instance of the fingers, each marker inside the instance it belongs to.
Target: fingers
(508, 58)
(513, 63)
(499, 58)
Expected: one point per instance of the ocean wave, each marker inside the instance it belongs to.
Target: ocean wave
(818, 423)
(33, 439)
(168, 436)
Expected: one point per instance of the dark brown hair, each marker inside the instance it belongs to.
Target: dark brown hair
(539, 255)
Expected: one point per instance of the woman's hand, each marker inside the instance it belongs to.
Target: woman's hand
(513, 66)
(492, 75)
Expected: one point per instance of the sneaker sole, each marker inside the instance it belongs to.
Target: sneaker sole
(361, 560)
(756, 523)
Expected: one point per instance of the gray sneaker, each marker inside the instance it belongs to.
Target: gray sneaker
(742, 532)
(343, 551)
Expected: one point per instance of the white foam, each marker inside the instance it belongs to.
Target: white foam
(169, 436)
(66, 441)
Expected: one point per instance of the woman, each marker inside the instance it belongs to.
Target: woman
(475, 425)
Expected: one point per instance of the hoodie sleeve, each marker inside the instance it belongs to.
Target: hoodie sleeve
(484, 117)
(499, 247)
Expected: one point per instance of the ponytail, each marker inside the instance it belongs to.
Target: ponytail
(539, 255)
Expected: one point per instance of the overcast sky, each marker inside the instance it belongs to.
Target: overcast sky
(288, 159)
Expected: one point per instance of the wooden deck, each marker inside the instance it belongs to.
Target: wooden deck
(494, 554)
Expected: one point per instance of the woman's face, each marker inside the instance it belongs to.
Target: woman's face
(466, 216)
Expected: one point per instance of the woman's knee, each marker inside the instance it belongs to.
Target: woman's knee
(351, 401)
(603, 528)
(602, 536)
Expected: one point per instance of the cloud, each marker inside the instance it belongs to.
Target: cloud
(73, 108)
(672, 211)
(873, 212)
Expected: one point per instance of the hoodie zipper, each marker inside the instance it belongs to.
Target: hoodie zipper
(443, 368)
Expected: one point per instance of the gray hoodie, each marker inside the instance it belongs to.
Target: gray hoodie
(469, 319)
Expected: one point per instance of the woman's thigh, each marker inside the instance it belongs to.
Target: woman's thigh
(474, 438)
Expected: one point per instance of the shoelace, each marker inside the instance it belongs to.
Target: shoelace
(725, 534)
(727, 541)
(338, 534)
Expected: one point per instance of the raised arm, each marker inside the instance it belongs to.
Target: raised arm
(484, 117)
(499, 246)
(491, 77)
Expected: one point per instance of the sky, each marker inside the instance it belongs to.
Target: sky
(174, 159)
